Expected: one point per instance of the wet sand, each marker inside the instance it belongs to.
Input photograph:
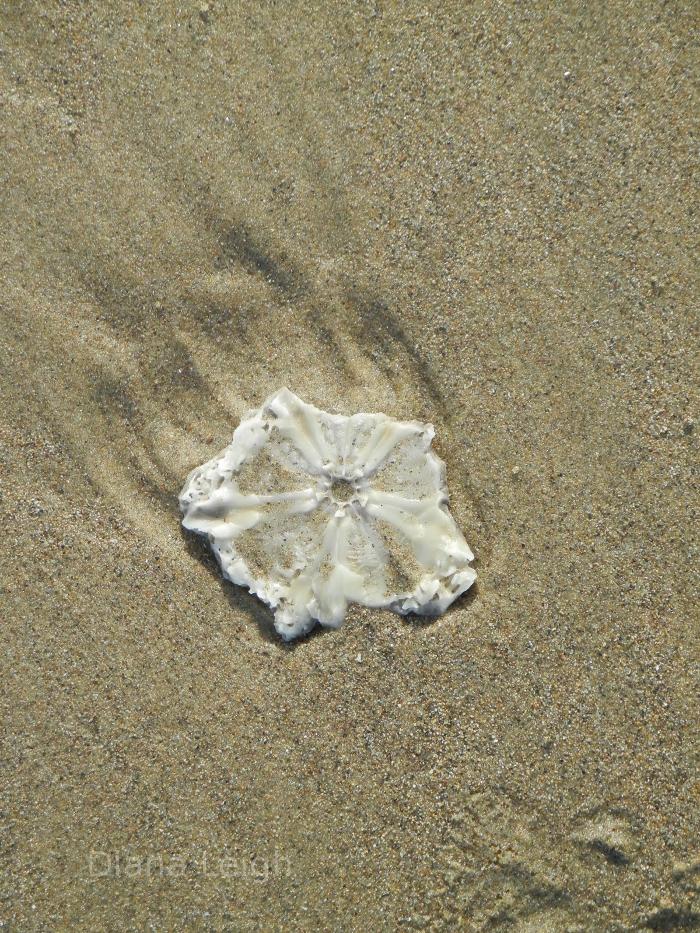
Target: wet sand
(476, 215)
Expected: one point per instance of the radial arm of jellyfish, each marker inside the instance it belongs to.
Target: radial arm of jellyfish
(426, 524)
(295, 421)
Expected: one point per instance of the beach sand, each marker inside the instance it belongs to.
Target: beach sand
(478, 215)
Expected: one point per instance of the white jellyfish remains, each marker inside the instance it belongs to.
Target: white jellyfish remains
(312, 511)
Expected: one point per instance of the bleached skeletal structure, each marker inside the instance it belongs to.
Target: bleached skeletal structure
(312, 510)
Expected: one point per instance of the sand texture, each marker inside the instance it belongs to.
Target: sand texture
(479, 215)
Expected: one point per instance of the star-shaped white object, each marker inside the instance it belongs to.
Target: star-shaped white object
(312, 511)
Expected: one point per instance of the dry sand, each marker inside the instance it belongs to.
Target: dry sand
(480, 215)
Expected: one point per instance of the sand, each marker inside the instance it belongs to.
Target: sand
(479, 215)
